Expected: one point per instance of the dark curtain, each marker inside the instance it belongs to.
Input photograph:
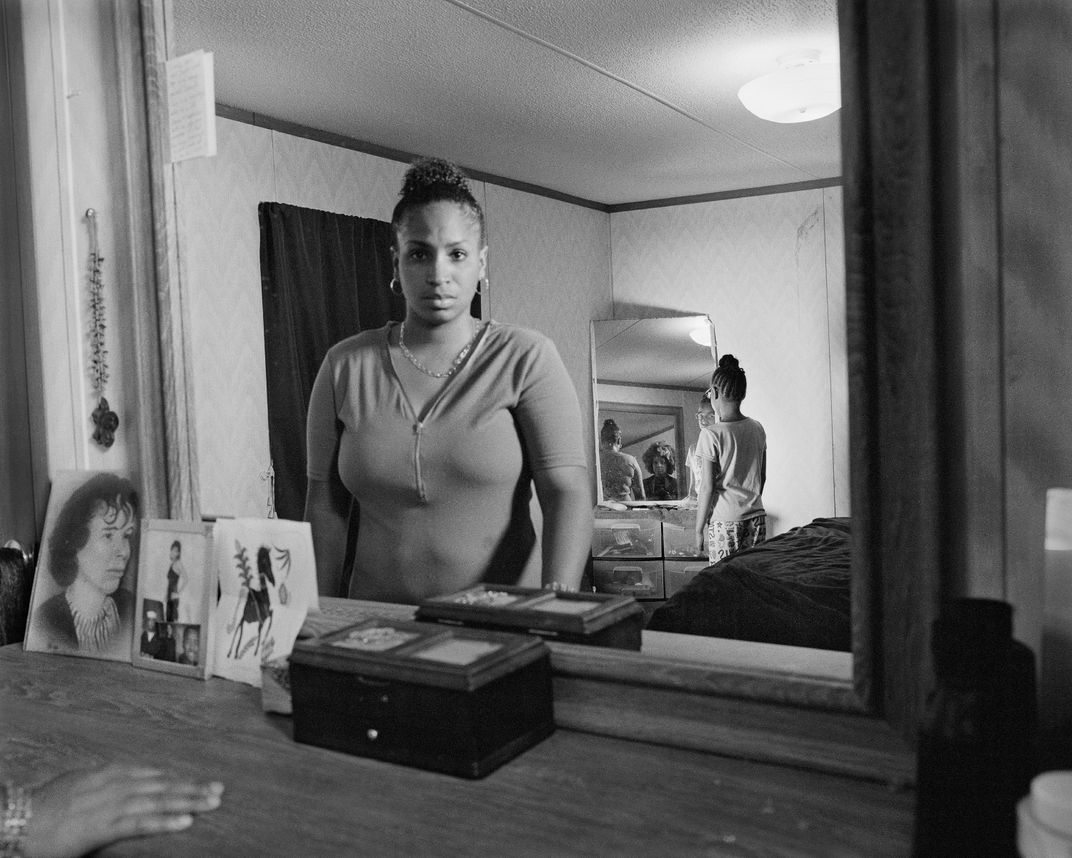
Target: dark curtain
(324, 277)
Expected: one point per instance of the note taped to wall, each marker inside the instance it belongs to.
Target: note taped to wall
(191, 106)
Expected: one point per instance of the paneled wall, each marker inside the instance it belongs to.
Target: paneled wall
(769, 271)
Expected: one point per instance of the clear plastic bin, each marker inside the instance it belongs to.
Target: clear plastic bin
(641, 579)
(678, 540)
(680, 572)
(627, 537)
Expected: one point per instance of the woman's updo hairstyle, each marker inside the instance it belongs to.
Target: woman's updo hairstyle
(434, 180)
(729, 379)
(610, 433)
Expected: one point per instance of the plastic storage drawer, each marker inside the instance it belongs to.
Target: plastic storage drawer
(641, 579)
(678, 541)
(627, 537)
(680, 572)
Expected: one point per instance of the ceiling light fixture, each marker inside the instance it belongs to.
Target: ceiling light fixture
(804, 88)
(701, 336)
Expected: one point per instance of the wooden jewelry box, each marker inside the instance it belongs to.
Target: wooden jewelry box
(455, 700)
(598, 619)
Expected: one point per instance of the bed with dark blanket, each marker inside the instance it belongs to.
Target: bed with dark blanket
(792, 589)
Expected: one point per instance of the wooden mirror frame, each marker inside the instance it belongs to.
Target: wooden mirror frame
(862, 728)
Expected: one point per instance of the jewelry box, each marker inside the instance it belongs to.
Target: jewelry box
(598, 619)
(456, 700)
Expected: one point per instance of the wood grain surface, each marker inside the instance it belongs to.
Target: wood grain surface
(572, 795)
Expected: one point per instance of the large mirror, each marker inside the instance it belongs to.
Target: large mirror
(645, 683)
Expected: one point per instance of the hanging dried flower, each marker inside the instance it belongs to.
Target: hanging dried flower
(105, 420)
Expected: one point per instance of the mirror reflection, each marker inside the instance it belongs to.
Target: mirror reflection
(649, 377)
(763, 260)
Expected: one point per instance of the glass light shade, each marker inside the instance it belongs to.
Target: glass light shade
(799, 91)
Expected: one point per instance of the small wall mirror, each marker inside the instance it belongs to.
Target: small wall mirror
(649, 375)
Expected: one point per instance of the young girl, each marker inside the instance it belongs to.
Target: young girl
(705, 416)
(733, 455)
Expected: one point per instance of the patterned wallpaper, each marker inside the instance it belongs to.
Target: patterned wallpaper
(549, 265)
(757, 265)
(769, 271)
(219, 249)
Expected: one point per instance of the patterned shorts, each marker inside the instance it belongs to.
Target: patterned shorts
(726, 537)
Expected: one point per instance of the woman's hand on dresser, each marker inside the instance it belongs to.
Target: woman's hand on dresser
(79, 812)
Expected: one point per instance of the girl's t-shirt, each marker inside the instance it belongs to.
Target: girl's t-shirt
(738, 449)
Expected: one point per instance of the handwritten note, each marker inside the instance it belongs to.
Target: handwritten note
(191, 106)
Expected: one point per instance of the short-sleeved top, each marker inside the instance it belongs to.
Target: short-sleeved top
(618, 471)
(444, 500)
(737, 448)
(695, 463)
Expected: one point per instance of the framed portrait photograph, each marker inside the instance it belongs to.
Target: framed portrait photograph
(82, 602)
(176, 597)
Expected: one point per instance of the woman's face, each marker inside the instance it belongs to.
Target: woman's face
(658, 466)
(439, 262)
(102, 561)
(705, 415)
(174, 552)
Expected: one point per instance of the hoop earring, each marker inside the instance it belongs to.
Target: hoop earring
(394, 286)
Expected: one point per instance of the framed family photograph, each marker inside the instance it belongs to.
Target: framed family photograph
(83, 593)
(176, 597)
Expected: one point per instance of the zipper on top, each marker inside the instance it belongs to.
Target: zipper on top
(420, 422)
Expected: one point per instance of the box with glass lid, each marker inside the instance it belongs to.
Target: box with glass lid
(455, 700)
(599, 619)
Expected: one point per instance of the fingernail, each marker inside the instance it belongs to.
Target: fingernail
(177, 823)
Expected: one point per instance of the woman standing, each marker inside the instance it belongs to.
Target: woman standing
(438, 427)
(619, 472)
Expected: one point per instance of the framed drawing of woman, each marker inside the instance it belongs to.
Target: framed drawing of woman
(83, 600)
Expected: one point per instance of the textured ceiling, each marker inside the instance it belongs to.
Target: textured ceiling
(613, 101)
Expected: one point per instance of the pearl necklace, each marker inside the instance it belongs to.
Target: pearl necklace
(454, 364)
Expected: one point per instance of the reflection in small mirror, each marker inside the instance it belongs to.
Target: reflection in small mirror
(641, 452)
(650, 374)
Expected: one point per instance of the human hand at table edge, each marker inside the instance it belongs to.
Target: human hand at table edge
(78, 812)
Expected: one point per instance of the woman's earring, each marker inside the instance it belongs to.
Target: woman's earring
(395, 286)
(480, 284)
